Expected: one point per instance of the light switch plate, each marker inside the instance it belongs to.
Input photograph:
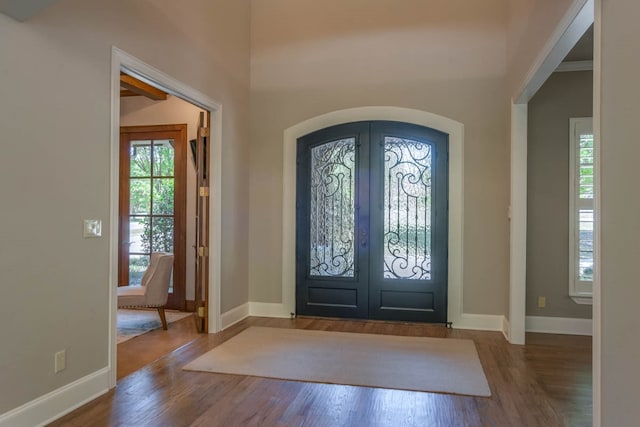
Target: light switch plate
(92, 228)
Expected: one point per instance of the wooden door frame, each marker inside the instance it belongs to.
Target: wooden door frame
(150, 132)
(122, 61)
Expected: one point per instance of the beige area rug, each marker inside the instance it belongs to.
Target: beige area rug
(443, 365)
(131, 323)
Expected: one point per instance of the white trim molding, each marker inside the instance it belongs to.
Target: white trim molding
(53, 405)
(559, 325)
(506, 328)
(582, 300)
(480, 322)
(579, 16)
(575, 22)
(572, 26)
(267, 309)
(256, 309)
(454, 129)
(122, 61)
(518, 224)
(233, 316)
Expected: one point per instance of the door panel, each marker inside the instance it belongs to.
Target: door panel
(408, 277)
(372, 222)
(332, 266)
(202, 224)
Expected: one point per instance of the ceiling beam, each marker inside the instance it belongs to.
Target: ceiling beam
(127, 92)
(138, 87)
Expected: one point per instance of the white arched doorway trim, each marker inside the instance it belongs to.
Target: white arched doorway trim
(454, 129)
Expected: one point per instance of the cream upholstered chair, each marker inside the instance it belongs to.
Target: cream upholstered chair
(154, 289)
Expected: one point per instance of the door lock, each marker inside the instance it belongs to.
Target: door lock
(363, 237)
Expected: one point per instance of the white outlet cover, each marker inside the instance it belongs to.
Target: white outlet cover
(92, 228)
(60, 361)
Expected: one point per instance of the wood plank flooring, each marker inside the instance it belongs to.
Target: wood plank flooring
(545, 383)
(142, 350)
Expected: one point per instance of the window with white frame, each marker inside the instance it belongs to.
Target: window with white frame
(581, 212)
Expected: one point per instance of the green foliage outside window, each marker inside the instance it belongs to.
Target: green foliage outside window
(152, 195)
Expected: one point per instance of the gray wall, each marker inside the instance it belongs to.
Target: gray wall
(620, 213)
(55, 167)
(312, 60)
(563, 95)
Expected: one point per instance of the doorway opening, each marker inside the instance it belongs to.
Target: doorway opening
(372, 223)
(157, 213)
(574, 26)
(176, 207)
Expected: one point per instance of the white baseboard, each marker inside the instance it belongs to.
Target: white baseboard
(265, 309)
(483, 322)
(480, 322)
(57, 403)
(506, 328)
(559, 325)
(234, 315)
(258, 309)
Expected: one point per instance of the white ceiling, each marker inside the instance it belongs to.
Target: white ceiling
(22, 10)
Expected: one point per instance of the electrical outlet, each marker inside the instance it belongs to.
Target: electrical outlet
(60, 361)
(542, 302)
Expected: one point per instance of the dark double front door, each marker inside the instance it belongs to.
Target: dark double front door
(372, 222)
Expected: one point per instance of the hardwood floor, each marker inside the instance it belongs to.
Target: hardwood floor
(545, 383)
(142, 350)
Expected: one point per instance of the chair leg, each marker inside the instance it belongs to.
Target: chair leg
(163, 318)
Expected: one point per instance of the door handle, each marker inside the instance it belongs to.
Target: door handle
(362, 236)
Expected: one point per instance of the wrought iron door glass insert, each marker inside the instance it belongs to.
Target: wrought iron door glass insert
(332, 210)
(407, 203)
